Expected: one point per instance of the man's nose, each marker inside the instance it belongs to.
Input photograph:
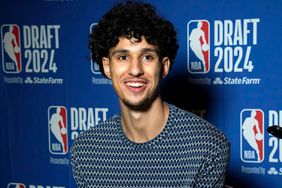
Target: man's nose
(136, 67)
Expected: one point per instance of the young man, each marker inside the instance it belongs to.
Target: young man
(151, 143)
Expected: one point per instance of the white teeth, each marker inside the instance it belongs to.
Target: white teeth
(134, 84)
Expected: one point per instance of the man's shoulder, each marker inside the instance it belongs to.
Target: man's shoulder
(99, 132)
(197, 128)
(188, 118)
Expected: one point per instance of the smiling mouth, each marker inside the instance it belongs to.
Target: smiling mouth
(135, 84)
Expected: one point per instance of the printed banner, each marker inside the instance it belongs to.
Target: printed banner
(227, 71)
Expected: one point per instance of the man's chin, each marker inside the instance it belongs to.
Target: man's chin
(138, 106)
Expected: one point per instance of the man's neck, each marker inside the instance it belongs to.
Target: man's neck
(140, 127)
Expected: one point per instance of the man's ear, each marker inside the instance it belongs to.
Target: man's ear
(106, 67)
(165, 66)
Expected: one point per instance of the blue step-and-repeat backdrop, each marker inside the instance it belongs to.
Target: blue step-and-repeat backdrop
(47, 78)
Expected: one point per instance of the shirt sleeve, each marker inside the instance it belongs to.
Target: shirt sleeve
(213, 169)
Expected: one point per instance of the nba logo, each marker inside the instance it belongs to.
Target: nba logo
(57, 128)
(16, 185)
(198, 46)
(252, 135)
(94, 67)
(11, 48)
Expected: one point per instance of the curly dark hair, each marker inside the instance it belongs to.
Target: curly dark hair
(132, 20)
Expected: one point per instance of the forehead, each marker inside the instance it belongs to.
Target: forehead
(132, 45)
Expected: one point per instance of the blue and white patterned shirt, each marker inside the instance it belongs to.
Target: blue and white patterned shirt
(189, 152)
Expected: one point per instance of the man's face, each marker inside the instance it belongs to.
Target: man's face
(135, 70)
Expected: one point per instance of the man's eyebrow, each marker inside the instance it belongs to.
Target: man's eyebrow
(119, 51)
(143, 50)
(150, 50)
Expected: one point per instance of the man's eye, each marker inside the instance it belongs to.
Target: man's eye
(148, 58)
(122, 58)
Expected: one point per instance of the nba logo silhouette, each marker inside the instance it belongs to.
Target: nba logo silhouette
(252, 135)
(94, 67)
(11, 48)
(198, 46)
(57, 128)
(16, 185)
